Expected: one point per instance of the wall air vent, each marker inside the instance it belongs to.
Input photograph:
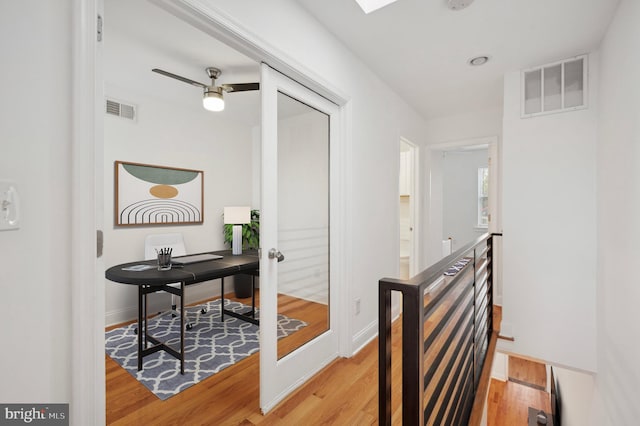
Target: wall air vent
(120, 109)
(557, 87)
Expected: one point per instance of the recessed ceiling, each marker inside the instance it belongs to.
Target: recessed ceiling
(421, 48)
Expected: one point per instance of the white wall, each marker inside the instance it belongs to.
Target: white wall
(460, 195)
(576, 397)
(379, 119)
(549, 222)
(464, 126)
(35, 135)
(175, 134)
(618, 205)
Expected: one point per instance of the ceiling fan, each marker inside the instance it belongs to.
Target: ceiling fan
(212, 99)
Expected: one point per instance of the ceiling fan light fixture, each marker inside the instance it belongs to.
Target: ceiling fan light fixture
(213, 100)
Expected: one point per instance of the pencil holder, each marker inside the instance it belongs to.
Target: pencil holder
(164, 260)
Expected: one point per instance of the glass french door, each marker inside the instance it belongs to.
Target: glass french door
(298, 310)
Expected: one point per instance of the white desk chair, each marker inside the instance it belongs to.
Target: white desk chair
(176, 243)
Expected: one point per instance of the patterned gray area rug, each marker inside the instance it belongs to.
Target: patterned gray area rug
(210, 346)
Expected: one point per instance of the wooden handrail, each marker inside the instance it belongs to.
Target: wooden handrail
(446, 335)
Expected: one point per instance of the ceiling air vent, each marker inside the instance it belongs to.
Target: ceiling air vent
(120, 109)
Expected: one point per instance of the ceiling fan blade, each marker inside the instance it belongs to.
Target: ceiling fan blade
(178, 77)
(240, 87)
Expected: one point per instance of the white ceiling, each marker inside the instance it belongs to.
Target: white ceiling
(164, 41)
(421, 47)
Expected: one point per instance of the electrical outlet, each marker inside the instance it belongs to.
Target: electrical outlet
(357, 306)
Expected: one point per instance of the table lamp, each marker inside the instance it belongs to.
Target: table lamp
(237, 216)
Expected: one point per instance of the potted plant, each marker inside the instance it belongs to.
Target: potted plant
(250, 241)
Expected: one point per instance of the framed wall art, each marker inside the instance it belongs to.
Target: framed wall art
(157, 195)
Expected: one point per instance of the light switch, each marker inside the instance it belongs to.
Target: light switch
(9, 206)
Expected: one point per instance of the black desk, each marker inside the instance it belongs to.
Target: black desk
(152, 280)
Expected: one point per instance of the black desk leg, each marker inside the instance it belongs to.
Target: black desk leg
(222, 299)
(244, 316)
(182, 315)
(140, 332)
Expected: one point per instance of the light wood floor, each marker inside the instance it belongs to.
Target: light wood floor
(344, 393)
(508, 402)
(524, 371)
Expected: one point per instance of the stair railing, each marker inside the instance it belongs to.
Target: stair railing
(447, 321)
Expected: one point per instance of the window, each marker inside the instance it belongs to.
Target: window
(555, 87)
(483, 197)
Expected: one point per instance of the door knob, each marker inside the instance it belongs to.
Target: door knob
(275, 254)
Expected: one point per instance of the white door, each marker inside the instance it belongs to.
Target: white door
(298, 127)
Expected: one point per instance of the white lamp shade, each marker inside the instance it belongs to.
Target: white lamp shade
(237, 215)
(213, 101)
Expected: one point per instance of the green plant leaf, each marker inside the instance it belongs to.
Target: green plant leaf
(250, 232)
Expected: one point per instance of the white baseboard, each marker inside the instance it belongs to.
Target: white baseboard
(366, 335)
(118, 316)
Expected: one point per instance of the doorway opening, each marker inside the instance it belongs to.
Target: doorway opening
(464, 202)
(408, 206)
(172, 129)
(465, 195)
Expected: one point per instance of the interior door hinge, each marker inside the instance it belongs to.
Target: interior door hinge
(99, 28)
(99, 242)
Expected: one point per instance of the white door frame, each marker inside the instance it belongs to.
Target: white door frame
(87, 285)
(87, 405)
